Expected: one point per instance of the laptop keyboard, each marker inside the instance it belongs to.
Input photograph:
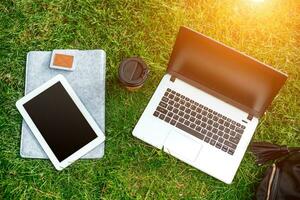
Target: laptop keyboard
(202, 122)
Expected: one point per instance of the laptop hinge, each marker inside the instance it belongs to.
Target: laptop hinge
(250, 117)
(172, 78)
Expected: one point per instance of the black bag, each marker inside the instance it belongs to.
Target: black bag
(281, 180)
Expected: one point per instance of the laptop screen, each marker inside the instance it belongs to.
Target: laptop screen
(224, 72)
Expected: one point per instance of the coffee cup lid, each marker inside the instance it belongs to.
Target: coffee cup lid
(133, 72)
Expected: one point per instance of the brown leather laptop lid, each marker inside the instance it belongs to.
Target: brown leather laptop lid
(224, 72)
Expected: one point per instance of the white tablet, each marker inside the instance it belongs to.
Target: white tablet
(60, 122)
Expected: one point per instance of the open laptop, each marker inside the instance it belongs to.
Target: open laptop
(206, 108)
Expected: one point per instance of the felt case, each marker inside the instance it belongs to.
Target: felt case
(87, 80)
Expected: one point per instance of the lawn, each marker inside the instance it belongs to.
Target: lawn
(131, 169)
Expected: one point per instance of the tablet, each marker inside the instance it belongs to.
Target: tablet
(60, 122)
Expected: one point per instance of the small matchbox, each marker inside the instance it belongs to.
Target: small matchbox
(63, 59)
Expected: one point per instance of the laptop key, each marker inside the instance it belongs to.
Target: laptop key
(220, 133)
(215, 137)
(229, 144)
(167, 119)
(209, 134)
(234, 140)
(203, 131)
(193, 113)
(231, 151)
(163, 104)
(156, 113)
(221, 139)
(206, 139)
(224, 148)
(232, 133)
(187, 122)
(187, 104)
(218, 145)
(192, 119)
(171, 96)
(173, 122)
(239, 130)
(221, 128)
(209, 127)
(204, 112)
(238, 136)
(162, 110)
(165, 99)
(212, 142)
(215, 130)
(216, 125)
(181, 120)
(176, 117)
(193, 125)
(161, 116)
(221, 121)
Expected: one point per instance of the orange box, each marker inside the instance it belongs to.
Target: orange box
(63, 60)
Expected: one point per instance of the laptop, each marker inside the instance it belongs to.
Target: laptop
(207, 106)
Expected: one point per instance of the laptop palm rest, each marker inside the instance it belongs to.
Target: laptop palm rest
(182, 146)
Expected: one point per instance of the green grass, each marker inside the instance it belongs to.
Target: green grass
(132, 169)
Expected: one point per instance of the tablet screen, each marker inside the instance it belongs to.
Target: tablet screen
(60, 122)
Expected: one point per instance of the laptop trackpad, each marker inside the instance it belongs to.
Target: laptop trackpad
(182, 146)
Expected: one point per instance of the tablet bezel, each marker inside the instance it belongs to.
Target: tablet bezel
(59, 165)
